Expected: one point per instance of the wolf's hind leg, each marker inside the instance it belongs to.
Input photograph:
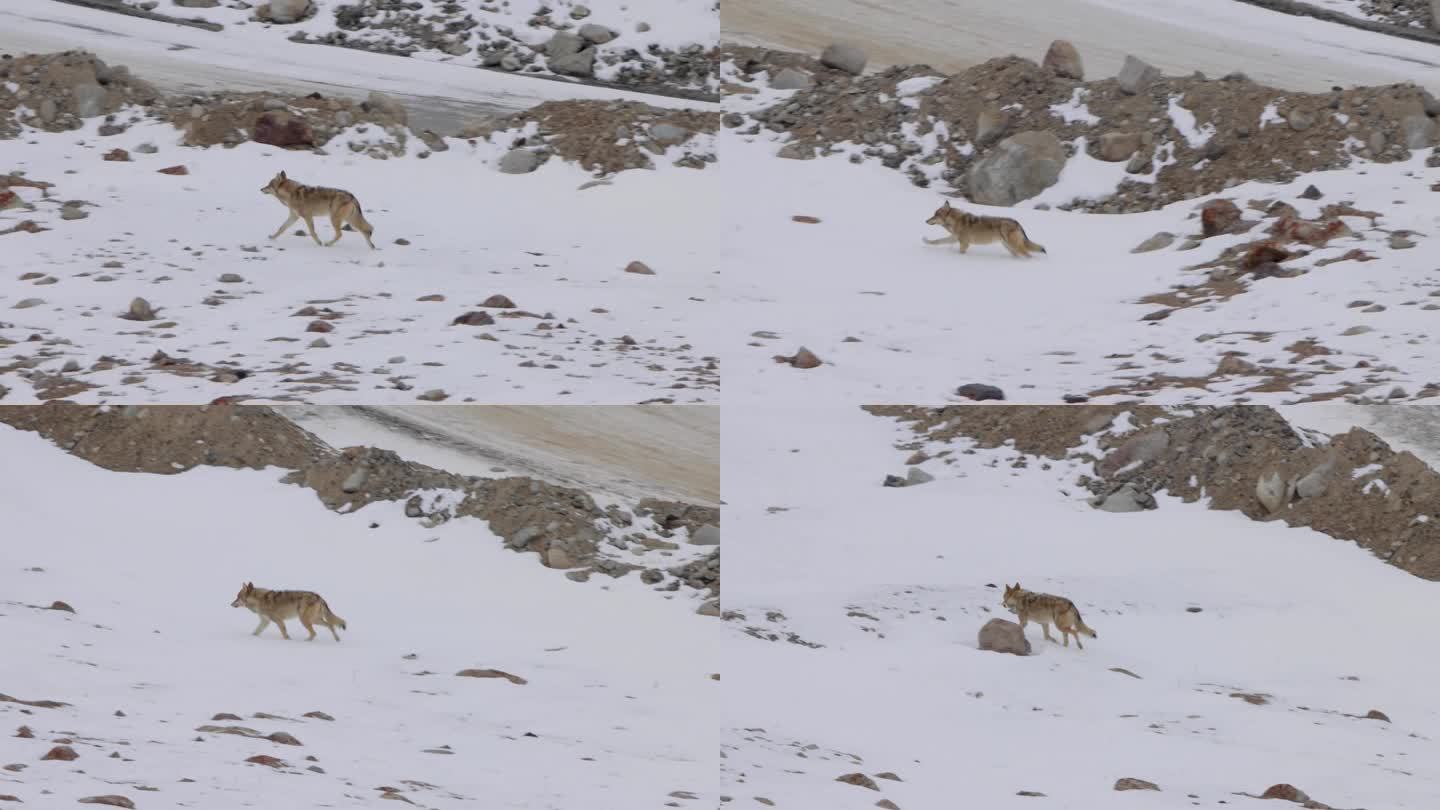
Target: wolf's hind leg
(332, 630)
(291, 221)
(335, 223)
(308, 626)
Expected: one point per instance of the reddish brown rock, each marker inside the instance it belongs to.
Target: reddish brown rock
(282, 129)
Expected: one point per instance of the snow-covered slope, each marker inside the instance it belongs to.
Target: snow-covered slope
(896, 582)
(618, 710)
(626, 451)
(442, 97)
(472, 232)
(1179, 36)
(894, 319)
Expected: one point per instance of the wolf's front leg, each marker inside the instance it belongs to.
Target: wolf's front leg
(260, 628)
(281, 624)
(291, 221)
(310, 225)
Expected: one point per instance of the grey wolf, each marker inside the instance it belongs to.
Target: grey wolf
(308, 202)
(970, 229)
(277, 606)
(1047, 609)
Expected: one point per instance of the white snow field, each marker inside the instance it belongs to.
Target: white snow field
(896, 320)
(618, 709)
(1178, 36)
(896, 582)
(584, 330)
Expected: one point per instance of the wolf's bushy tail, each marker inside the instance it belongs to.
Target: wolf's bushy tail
(1030, 244)
(1080, 620)
(330, 614)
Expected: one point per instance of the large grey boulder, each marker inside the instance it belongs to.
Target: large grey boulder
(1001, 635)
(575, 64)
(791, 79)
(290, 11)
(1018, 168)
(1136, 75)
(89, 99)
(564, 44)
(1419, 131)
(520, 161)
(844, 56)
(1272, 492)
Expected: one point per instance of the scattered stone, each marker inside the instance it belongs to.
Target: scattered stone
(434, 395)
(1003, 636)
(640, 268)
(177, 170)
(63, 753)
(520, 161)
(1218, 216)
(844, 56)
(1128, 497)
(915, 476)
(474, 318)
(980, 392)
(231, 278)
(1376, 714)
(791, 79)
(267, 760)
(1311, 193)
(859, 780)
(117, 154)
(1289, 793)
(1063, 59)
(140, 310)
(804, 219)
(1119, 146)
(62, 606)
(491, 673)
(111, 799)
(804, 358)
(1131, 783)
(1136, 75)
(1159, 241)
(498, 302)
(319, 326)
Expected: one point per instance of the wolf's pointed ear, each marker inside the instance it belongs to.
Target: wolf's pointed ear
(946, 205)
(282, 175)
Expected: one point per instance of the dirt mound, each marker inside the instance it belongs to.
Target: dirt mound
(610, 136)
(1176, 137)
(562, 525)
(56, 91)
(170, 439)
(1244, 458)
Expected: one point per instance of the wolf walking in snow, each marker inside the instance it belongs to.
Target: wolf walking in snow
(1046, 609)
(970, 229)
(277, 606)
(310, 201)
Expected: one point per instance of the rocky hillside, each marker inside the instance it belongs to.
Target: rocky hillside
(564, 527)
(60, 92)
(661, 48)
(1352, 486)
(1002, 132)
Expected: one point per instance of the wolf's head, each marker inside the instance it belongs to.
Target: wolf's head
(274, 185)
(1012, 598)
(246, 591)
(938, 218)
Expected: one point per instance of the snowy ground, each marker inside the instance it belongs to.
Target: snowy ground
(619, 710)
(176, 59)
(555, 250)
(1178, 36)
(639, 25)
(895, 319)
(630, 451)
(895, 583)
